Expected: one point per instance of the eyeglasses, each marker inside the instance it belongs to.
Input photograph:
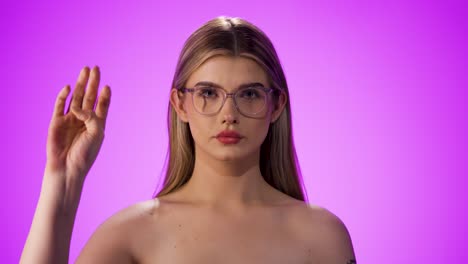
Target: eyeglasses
(249, 101)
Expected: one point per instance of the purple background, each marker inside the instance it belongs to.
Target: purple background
(378, 94)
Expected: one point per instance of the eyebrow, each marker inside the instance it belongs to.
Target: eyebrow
(212, 84)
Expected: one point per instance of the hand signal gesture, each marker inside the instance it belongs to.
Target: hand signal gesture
(75, 137)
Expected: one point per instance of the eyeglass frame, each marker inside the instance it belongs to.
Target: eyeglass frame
(268, 90)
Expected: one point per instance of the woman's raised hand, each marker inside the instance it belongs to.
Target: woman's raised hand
(75, 136)
(73, 142)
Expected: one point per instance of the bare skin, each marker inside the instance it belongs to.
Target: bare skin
(168, 230)
(236, 218)
(73, 142)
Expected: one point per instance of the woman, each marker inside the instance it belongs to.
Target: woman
(232, 189)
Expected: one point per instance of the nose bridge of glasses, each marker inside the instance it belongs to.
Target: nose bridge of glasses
(233, 102)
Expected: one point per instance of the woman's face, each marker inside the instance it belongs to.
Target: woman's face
(229, 73)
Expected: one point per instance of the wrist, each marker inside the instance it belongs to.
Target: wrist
(62, 192)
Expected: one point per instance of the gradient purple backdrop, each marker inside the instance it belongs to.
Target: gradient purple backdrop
(378, 93)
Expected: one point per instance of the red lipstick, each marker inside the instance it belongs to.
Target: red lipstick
(229, 137)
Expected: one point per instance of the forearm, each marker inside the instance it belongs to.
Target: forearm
(50, 233)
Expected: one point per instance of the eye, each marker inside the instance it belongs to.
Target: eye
(250, 93)
(207, 92)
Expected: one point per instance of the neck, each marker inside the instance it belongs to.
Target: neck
(226, 183)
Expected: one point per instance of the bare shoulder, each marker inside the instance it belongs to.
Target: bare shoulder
(329, 237)
(115, 239)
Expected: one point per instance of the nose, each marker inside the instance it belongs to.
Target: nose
(229, 112)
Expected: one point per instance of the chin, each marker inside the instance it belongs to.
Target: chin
(230, 156)
(234, 154)
(229, 153)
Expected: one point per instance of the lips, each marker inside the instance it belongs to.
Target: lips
(229, 137)
(229, 134)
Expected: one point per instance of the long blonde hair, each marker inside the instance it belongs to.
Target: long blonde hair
(234, 37)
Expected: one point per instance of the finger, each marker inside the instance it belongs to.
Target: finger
(77, 98)
(60, 101)
(91, 91)
(81, 114)
(103, 103)
(93, 125)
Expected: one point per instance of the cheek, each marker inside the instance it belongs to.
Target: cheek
(259, 131)
(200, 127)
(196, 128)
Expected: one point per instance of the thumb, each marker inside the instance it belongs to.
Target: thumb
(90, 119)
(81, 114)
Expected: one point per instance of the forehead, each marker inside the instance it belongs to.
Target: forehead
(229, 72)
